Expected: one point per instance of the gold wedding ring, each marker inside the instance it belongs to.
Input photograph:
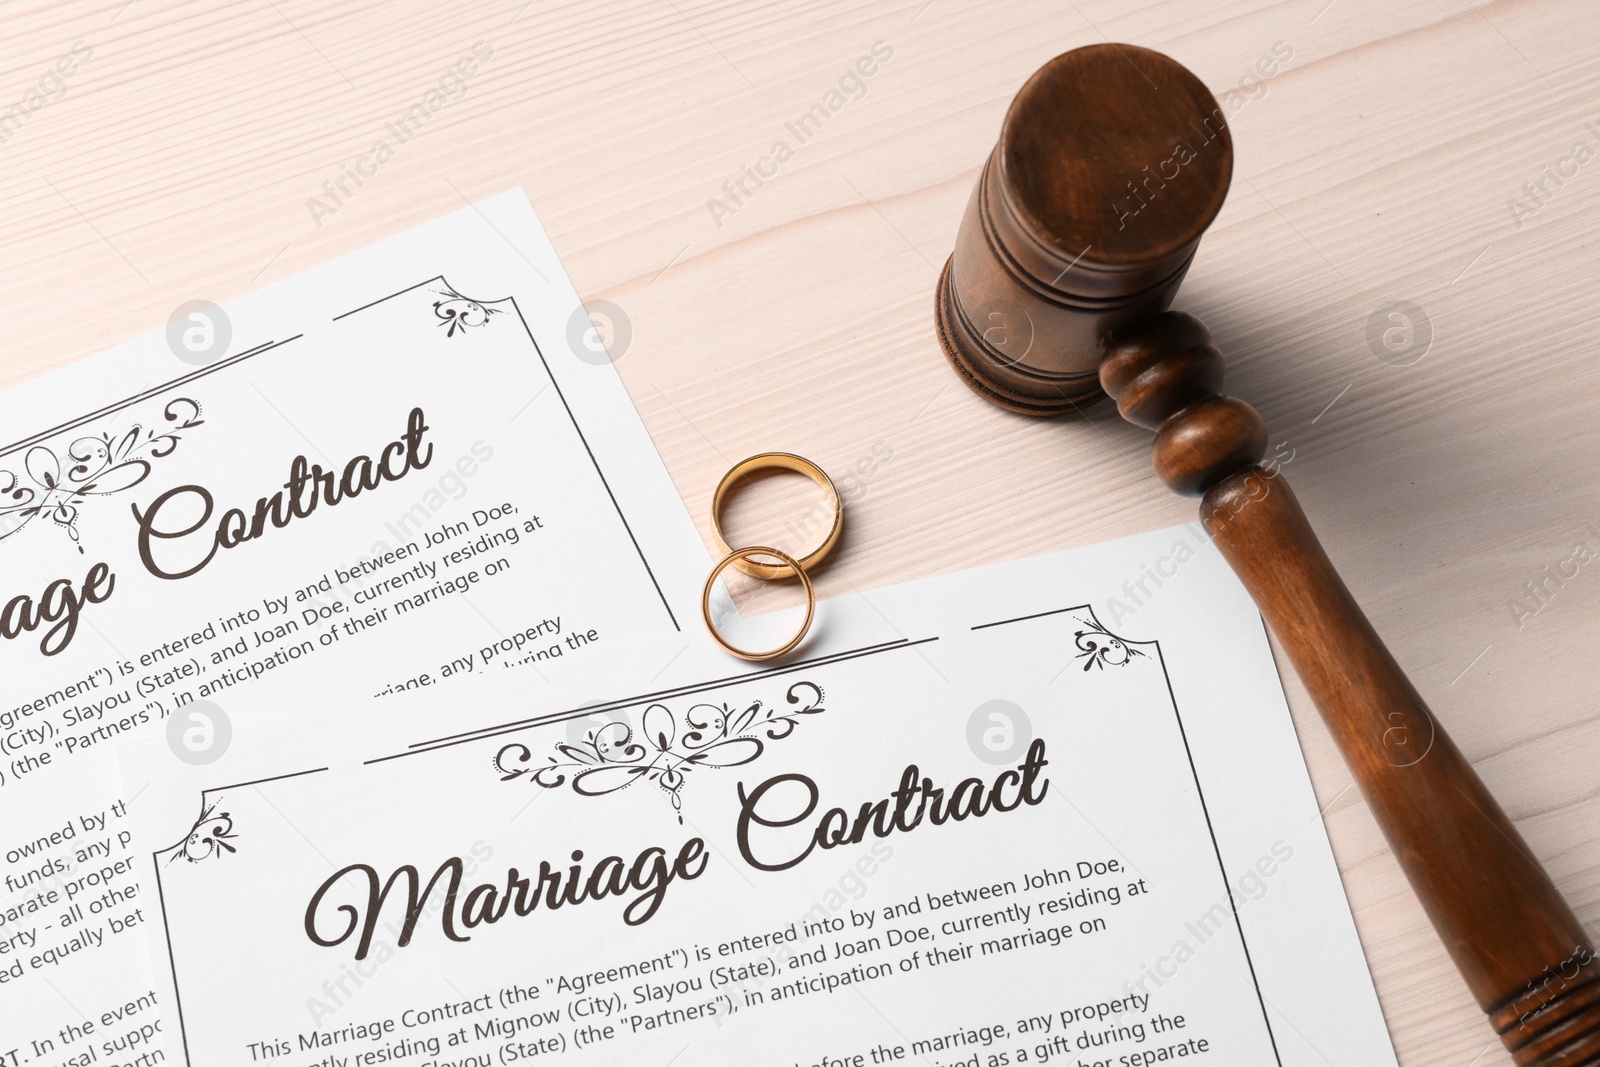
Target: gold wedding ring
(776, 461)
(790, 566)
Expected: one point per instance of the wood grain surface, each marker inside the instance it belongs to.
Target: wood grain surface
(1424, 151)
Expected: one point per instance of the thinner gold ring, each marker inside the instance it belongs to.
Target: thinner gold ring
(778, 461)
(790, 564)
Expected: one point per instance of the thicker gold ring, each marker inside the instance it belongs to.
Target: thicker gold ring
(778, 461)
(790, 564)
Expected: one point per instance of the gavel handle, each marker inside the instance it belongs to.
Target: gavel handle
(1524, 954)
(1516, 942)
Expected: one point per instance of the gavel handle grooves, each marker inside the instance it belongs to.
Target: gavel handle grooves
(1524, 954)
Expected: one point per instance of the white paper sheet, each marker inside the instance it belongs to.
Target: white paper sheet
(1135, 872)
(510, 508)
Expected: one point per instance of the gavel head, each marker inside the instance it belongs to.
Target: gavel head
(1111, 162)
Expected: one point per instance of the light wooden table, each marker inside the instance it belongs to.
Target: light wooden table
(1384, 160)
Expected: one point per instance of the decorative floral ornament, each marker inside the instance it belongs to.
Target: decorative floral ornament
(91, 466)
(458, 313)
(1098, 647)
(669, 745)
(208, 837)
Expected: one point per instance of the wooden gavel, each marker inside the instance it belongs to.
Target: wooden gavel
(1111, 163)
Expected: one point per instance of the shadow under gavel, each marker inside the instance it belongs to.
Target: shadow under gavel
(1111, 163)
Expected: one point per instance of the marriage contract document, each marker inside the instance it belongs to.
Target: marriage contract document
(376, 477)
(1001, 817)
